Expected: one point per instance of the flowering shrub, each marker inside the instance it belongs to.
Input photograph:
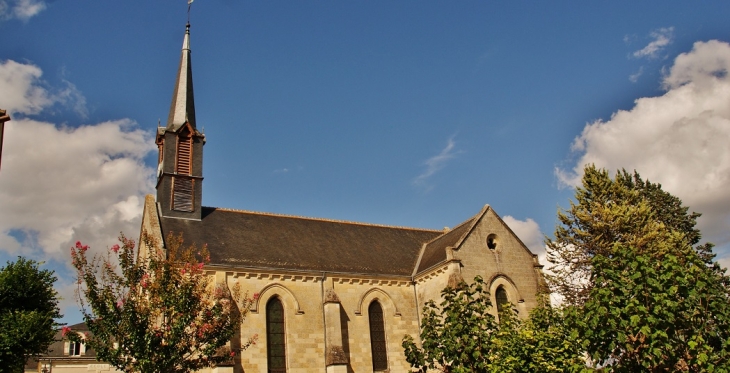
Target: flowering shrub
(157, 310)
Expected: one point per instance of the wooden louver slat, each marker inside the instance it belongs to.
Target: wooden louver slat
(183, 188)
(184, 156)
(183, 193)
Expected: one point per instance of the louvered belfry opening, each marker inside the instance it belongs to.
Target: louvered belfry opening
(183, 186)
(275, 336)
(377, 337)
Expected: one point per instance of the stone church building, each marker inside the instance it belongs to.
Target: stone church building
(333, 296)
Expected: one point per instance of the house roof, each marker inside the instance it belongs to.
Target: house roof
(57, 351)
(263, 240)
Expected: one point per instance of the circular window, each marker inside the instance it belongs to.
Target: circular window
(492, 241)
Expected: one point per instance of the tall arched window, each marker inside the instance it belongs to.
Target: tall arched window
(501, 298)
(275, 337)
(377, 337)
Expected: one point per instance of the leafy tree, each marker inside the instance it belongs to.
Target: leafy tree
(545, 342)
(647, 299)
(456, 336)
(161, 313)
(582, 234)
(28, 307)
(461, 335)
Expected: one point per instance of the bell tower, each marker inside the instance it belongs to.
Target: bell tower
(180, 145)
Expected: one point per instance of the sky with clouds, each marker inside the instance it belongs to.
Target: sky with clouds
(405, 113)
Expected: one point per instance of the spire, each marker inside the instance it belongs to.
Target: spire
(182, 108)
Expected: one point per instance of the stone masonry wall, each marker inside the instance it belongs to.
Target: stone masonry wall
(509, 264)
(303, 297)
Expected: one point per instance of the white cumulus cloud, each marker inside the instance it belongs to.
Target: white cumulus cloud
(679, 139)
(529, 232)
(20, 9)
(60, 184)
(21, 88)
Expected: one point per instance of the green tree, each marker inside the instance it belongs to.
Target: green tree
(457, 335)
(580, 235)
(158, 311)
(462, 335)
(647, 297)
(545, 342)
(28, 307)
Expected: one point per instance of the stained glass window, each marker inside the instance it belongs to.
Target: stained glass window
(377, 337)
(275, 337)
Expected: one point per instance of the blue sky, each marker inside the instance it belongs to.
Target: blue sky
(409, 113)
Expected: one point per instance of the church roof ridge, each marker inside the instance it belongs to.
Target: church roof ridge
(350, 222)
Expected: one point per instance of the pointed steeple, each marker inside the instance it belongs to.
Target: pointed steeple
(182, 108)
(180, 161)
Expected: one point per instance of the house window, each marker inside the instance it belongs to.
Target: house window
(501, 298)
(275, 337)
(377, 337)
(74, 348)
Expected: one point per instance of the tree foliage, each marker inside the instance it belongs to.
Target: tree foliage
(588, 228)
(156, 311)
(462, 335)
(28, 307)
(647, 296)
(545, 342)
(457, 335)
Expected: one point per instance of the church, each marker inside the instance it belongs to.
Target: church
(332, 296)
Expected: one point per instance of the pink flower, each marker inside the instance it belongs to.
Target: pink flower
(255, 296)
(200, 266)
(120, 303)
(115, 248)
(65, 330)
(233, 353)
(81, 247)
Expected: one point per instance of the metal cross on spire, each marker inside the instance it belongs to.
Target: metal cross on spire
(190, 2)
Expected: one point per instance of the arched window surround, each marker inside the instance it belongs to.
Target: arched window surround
(513, 295)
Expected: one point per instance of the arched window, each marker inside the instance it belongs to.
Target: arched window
(501, 298)
(275, 337)
(377, 337)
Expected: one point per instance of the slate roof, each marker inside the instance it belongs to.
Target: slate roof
(435, 251)
(261, 240)
(182, 108)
